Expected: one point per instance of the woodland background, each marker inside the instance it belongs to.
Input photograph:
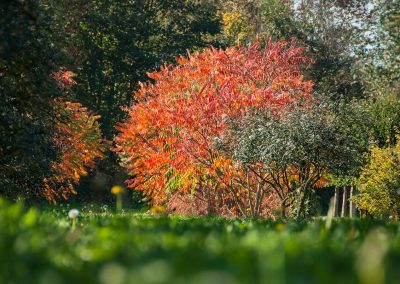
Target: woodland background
(69, 68)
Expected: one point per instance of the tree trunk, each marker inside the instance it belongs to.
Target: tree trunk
(352, 205)
(344, 202)
(301, 206)
(336, 203)
(283, 209)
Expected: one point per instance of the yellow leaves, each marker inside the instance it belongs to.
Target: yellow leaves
(190, 178)
(155, 210)
(236, 105)
(218, 163)
(76, 175)
(117, 189)
(221, 162)
(236, 27)
(379, 182)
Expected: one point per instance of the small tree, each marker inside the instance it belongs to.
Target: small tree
(296, 149)
(379, 183)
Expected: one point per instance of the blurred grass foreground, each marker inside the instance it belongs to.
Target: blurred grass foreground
(42, 246)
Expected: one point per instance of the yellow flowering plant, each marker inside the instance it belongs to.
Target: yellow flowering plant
(118, 190)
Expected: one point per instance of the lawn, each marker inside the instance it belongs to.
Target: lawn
(40, 246)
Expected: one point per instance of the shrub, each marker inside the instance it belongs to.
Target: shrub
(379, 183)
(296, 149)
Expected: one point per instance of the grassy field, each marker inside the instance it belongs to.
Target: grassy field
(40, 246)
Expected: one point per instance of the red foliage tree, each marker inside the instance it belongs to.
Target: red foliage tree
(168, 141)
(79, 141)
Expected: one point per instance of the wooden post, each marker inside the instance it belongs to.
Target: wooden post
(344, 202)
(336, 202)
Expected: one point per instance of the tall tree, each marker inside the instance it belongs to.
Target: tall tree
(117, 42)
(46, 141)
(28, 55)
(329, 30)
(121, 40)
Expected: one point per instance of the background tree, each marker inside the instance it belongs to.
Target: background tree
(28, 55)
(379, 68)
(380, 64)
(46, 141)
(121, 40)
(115, 43)
(331, 32)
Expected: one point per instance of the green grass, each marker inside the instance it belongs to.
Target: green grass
(38, 246)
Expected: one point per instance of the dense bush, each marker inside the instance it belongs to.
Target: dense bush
(297, 149)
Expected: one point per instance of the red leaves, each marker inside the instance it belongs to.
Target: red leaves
(79, 141)
(64, 78)
(179, 115)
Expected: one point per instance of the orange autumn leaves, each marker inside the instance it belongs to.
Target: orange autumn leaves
(78, 140)
(167, 141)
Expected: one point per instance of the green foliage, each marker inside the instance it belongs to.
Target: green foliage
(120, 41)
(328, 30)
(28, 55)
(380, 65)
(40, 247)
(372, 121)
(117, 42)
(297, 149)
(379, 183)
(384, 124)
(302, 136)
